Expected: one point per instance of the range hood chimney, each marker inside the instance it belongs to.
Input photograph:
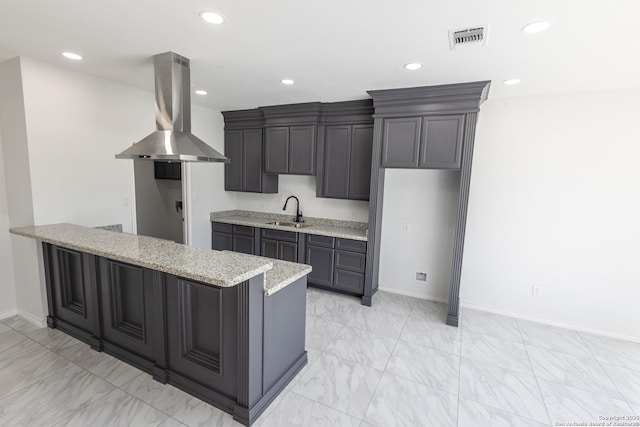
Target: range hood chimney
(173, 141)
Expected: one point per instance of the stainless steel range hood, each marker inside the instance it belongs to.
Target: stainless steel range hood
(173, 141)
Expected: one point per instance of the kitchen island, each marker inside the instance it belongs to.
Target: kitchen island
(226, 327)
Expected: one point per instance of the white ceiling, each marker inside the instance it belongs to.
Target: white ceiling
(334, 49)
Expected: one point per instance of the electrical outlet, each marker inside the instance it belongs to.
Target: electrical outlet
(405, 227)
(422, 277)
(536, 291)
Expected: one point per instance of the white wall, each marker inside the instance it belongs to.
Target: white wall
(8, 302)
(303, 187)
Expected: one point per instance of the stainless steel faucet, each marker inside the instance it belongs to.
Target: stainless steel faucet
(298, 211)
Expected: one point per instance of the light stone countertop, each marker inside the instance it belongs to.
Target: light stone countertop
(217, 268)
(320, 226)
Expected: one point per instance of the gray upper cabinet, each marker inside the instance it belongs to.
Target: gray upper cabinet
(243, 145)
(441, 144)
(290, 150)
(276, 158)
(401, 142)
(427, 142)
(360, 162)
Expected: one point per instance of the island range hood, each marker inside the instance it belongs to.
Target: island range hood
(173, 141)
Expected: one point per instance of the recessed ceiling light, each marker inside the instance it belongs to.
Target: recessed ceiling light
(511, 82)
(71, 55)
(413, 66)
(536, 27)
(212, 17)
(201, 92)
(286, 81)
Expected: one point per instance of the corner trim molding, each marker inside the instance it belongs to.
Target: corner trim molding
(35, 320)
(8, 313)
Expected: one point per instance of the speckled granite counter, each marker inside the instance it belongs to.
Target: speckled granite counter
(213, 267)
(320, 226)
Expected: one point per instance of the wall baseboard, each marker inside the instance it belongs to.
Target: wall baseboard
(8, 313)
(40, 323)
(550, 322)
(565, 325)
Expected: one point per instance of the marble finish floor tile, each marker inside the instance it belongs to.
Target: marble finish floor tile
(340, 384)
(106, 367)
(379, 321)
(625, 354)
(496, 351)
(433, 368)
(491, 324)
(171, 422)
(362, 347)
(53, 398)
(21, 325)
(502, 389)
(320, 332)
(334, 308)
(429, 310)
(3, 327)
(573, 371)
(14, 344)
(55, 340)
(627, 381)
(164, 397)
(117, 409)
(312, 356)
(553, 338)
(22, 371)
(474, 414)
(296, 410)
(393, 303)
(437, 335)
(196, 413)
(574, 405)
(399, 402)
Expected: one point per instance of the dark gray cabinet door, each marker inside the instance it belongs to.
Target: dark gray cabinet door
(252, 160)
(243, 244)
(127, 306)
(302, 150)
(269, 248)
(360, 162)
(348, 281)
(276, 150)
(233, 170)
(222, 241)
(288, 251)
(336, 161)
(401, 142)
(321, 259)
(441, 145)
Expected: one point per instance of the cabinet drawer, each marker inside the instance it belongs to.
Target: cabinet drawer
(285, 236)
(350, 261)
(223, 228)
(324, 241)
(348, 281)
(243, 230)
(351, 245)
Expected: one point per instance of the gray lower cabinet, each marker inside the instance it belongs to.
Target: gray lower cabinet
(228, 237)
(347, 161)
(245, 172)
(279, 244)
(290, 150)
(427, 142)
(338, 264)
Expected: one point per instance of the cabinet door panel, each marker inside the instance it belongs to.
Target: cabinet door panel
(348, 281)
(441, 145)
(350, 261)
(336, 161)
(302, 150)
(252, 160)
(222, 241)
(401, 142)
(233, 150)
(243, 244)
(321, 259)
(360, 163)
(72, 288)
(288, 251)
(276, 150)
(269, 248)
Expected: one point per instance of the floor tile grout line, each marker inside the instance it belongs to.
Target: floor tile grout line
(325, 406)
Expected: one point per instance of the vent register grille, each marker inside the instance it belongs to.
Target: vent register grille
(476, 35)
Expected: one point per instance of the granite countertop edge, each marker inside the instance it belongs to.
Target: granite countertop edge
(354, 233)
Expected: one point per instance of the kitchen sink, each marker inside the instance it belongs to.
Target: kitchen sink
(290, 224)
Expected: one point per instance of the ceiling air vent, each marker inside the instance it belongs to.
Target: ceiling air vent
(473, 36)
